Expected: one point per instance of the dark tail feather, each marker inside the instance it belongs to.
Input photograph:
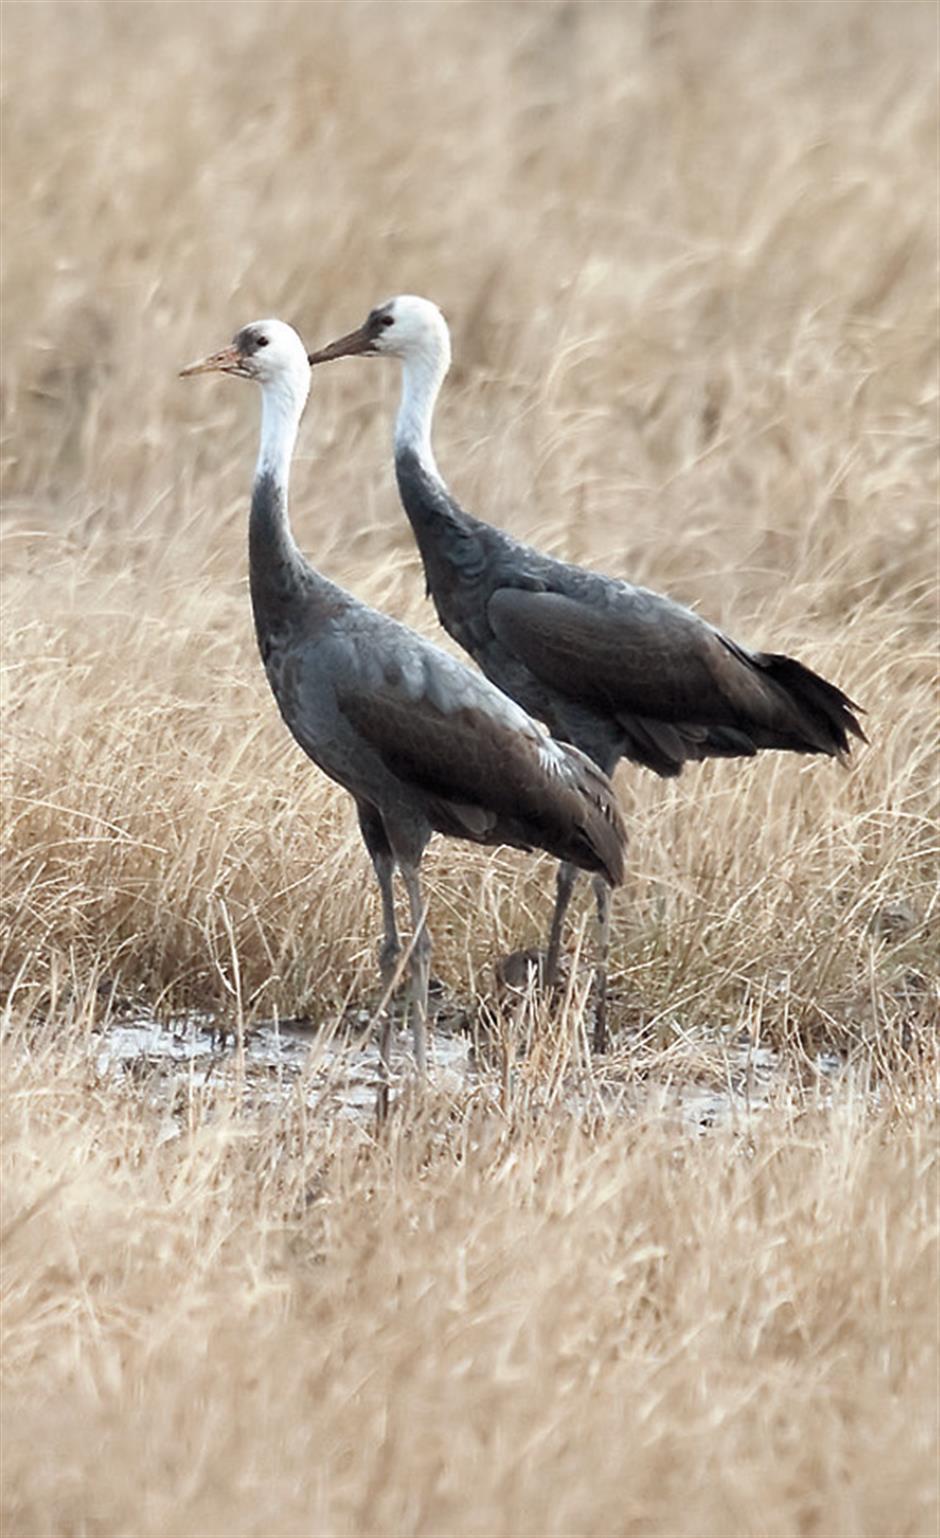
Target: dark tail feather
(823, 716)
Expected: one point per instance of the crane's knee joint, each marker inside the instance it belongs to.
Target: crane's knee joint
(566, 877)
(389, 952)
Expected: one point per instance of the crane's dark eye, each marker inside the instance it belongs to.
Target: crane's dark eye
(261, 341)
(388, 320)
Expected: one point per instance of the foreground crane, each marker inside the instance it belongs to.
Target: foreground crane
(617, 670)
(420, 741)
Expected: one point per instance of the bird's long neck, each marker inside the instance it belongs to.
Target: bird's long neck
(422, 377)
(272, 552)
(439, 522)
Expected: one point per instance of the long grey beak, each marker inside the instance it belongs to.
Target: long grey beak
(354, 344)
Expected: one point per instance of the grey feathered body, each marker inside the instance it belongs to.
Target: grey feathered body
(614, 669)
(421, 741)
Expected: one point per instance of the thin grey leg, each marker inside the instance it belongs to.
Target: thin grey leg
(420, 968)
(390, 949)
(602, 898)
(564, 886)
(383, 862)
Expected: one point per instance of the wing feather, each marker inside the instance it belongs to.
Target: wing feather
(680, 689)
(485, 770)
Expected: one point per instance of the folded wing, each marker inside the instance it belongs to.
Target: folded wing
(679, 689)
(487, 772)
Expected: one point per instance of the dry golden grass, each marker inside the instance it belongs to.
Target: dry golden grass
(469, 1328)
(688, 255)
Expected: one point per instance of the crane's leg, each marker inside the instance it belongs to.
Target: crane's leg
(564, 886)
(602, 898)
(420, 967)
(383, 862)
(390, 949)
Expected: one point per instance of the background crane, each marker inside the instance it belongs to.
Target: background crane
(617, 670)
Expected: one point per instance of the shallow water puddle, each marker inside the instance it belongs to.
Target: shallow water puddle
(180, 1060)
(191, 1055)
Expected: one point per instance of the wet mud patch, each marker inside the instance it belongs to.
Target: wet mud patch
(701, 1082)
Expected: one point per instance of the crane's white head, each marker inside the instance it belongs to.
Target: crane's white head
(406, 327)
(268, 351)
(271, 353)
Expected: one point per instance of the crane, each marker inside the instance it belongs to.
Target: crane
(422, 743)
(616, 670)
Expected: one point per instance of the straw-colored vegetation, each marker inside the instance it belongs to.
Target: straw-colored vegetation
(468, 1329)
(687, 252)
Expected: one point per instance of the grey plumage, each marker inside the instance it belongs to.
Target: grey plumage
(420, 741)
(614, 669)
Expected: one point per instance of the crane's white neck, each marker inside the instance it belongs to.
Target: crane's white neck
(282, 405)
(422, 376)
(274, 556)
